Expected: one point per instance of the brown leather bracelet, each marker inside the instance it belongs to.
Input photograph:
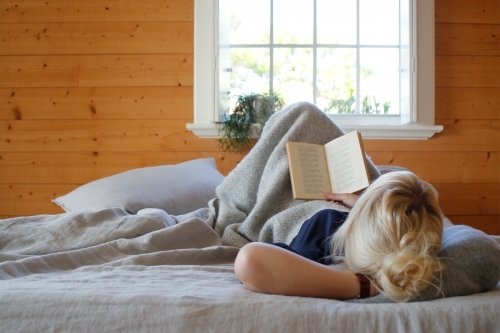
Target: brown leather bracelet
(364, 289)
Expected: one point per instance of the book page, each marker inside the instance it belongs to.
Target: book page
(347, 165)
(308, 170)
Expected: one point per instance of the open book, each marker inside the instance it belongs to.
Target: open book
(338, 167)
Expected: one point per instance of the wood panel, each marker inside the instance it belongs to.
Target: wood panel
(446, 167)
(97, 70)
(82, 167)
(467, 71)
(469, 199)
(467, 11)
(100, 135)
(467, 39)
(96, 103)
(30, 11)
(490, 224)
(96, 38)
(32, 199)
(457, 135)
(172, 135)
(468, 103)
(38, 71)
(136, 70)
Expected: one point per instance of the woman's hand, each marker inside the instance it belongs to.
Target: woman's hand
(345, 199)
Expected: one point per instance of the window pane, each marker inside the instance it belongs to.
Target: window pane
(250, 21)
(250, 71)
(293, 74)
(293, 21)
(336, 22)
(379, 22)
(336, 80)
(379, 85)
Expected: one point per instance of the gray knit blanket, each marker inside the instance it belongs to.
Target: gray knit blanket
(255, 202)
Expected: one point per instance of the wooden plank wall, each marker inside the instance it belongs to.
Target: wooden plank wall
(91, 88)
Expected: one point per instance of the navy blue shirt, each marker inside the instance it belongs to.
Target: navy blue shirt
(313, 239)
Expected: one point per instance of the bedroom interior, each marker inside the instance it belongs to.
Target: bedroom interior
(89, 90)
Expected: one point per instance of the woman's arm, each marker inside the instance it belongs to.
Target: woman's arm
(269, 269)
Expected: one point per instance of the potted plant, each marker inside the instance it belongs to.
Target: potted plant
(249, 116)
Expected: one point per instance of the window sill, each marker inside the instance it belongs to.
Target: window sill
(382, 132)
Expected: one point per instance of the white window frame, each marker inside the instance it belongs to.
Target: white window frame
(420, 127)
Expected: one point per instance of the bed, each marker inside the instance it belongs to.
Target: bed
(152, 250)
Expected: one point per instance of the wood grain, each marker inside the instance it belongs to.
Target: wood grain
(467, 39)
(136, 70)
(468, 103)
(467, 11)
(469, 199)
(96, 38)
(38, 71)
(101, 135)
(96, 103)
(457, 135)
(30, 11)
(172, 135)
(97, 70)
(467, 71)
(31, 199)
(446, 167)
(489, 224)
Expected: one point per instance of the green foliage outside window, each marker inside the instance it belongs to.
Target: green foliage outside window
(369, 105)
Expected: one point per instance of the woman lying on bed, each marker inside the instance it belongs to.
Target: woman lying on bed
(387, 243)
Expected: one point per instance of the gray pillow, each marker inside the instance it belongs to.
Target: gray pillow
(177, 189)
(472, 265)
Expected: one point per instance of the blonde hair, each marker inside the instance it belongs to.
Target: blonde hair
(393, 234)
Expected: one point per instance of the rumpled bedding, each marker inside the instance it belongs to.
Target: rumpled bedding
(110, 237)
(110, 271)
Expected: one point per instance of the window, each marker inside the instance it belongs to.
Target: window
(212, 66)
(333, 53)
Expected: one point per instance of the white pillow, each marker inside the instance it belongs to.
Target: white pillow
(177, 189)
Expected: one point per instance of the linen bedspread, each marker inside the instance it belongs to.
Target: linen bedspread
(113, 272)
